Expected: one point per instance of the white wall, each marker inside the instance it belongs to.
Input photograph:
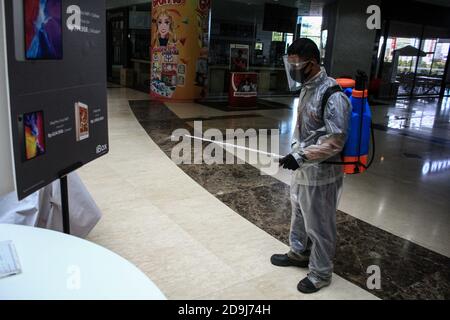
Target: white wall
(6, 168)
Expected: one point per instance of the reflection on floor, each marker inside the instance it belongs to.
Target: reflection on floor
(409, 270)
(424, 119)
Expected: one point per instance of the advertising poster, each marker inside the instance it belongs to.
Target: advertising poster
(243, 89)
(81, 121)
(34, 133)
(56, 58)
(244, 84)
(239, 57)
(179, 49)
(43, 29)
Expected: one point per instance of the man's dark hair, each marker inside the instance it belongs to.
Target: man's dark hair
(304, 48)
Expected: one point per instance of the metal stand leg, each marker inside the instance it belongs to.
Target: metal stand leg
(65, 205)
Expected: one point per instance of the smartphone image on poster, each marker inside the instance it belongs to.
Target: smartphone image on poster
(82, 121)
(43, 29)
(32, 125)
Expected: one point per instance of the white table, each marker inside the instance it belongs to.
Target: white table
(58, 266)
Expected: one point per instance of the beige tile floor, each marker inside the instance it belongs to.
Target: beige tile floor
(189, 243)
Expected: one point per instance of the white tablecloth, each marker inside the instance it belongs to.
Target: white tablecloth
(58, 266)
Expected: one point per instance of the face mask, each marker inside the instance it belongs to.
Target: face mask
(299, 75)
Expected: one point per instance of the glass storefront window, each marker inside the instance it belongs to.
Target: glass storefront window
(289, 40)
(311, 27)
(116, 37)
(394, 43)
(431, 67)
(264, 29)
(266, 32)
(414, 60)
(400, 62)
(440, 57)
(129, 46)
(139, 31)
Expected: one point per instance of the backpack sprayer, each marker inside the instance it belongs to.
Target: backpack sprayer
(355, 156)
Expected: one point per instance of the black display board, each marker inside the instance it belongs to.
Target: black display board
(280, 18)
(57, 85)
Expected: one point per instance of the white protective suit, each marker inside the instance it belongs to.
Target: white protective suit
(316, 187)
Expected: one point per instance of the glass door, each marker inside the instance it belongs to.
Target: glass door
(399, 59)
(404, 56)
(415, 61)
(431, 67)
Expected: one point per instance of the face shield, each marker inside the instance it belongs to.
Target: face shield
(294, 73)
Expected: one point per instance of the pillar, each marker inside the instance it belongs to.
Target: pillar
(350, 43)
(179, 49)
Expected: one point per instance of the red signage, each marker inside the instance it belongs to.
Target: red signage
(243, 89)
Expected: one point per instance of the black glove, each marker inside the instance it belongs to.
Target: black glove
(289, 162)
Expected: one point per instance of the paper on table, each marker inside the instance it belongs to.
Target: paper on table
(9, 261)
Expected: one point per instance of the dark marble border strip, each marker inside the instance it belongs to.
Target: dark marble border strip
(261, 104)
(237, 116)
(408, 271)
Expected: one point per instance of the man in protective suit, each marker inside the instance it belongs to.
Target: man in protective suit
(321, 133)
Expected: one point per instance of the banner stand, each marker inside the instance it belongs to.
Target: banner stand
(65, 205)
(65, 195)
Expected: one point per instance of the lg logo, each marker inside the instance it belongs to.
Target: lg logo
(101, 148)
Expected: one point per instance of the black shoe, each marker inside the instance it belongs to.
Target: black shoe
(290, 260)
(306, 286)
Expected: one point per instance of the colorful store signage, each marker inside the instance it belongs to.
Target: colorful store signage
(179, 49)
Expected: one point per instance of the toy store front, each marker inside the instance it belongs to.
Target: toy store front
(189, 50)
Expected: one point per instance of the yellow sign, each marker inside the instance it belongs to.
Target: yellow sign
(179, 49)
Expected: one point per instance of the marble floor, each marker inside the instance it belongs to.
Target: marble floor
(264, 201)
(406, 190)
(191, 218)
(192, 245)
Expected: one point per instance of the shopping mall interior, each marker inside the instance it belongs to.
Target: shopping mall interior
(206, 230)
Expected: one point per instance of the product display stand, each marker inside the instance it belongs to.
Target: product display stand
(65, 195)
(65, 205)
